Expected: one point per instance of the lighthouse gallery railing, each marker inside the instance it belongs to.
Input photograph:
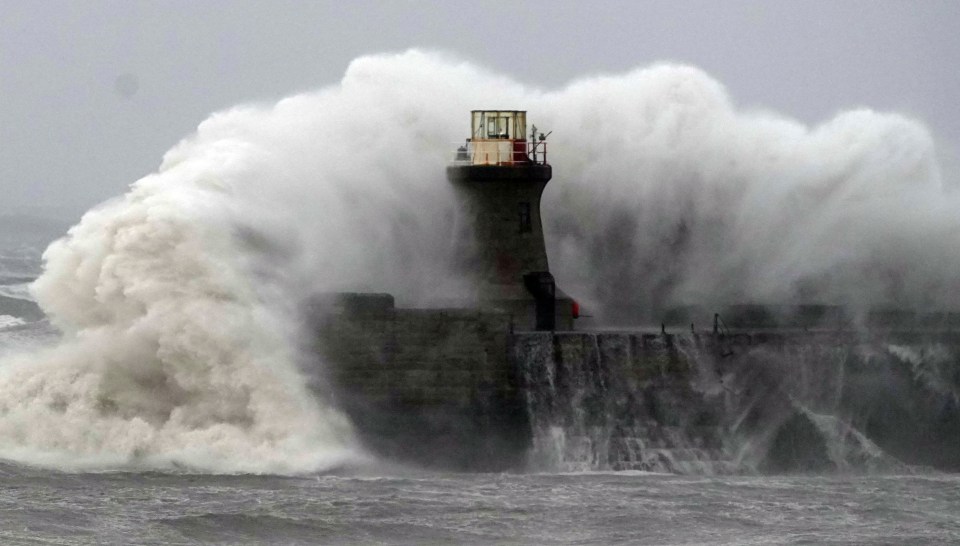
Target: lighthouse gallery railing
(502, 152)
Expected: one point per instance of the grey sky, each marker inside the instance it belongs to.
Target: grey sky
(72, 134)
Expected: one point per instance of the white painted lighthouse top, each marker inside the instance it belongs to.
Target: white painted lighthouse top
(499, 137)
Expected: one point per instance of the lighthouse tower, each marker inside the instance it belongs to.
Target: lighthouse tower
(500, 176)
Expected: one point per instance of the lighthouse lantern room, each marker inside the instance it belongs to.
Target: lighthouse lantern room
(499, 137)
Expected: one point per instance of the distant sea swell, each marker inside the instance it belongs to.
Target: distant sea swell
(19, 266)
(23, 325)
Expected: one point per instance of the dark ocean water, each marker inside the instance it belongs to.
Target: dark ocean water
(22, 324)
(40, 507)
(411, 507)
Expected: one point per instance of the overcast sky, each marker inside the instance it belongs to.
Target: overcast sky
(92, 93)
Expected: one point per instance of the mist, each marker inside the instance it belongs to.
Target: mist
(179, 301)
(674, 196)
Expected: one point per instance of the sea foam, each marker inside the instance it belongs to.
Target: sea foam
(182, 342)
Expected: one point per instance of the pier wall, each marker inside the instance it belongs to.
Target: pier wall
(459, 389)
(433, 387)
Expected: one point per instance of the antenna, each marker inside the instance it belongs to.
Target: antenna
(535, 141)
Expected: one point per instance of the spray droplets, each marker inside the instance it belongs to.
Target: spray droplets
(179, 301)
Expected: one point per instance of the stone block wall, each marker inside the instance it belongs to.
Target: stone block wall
(431, 387)
(458, 389)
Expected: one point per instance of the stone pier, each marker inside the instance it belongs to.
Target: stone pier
(462, 390)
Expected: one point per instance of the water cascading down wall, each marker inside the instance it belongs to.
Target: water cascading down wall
(456, 389)
(179, 302)
(492, 385)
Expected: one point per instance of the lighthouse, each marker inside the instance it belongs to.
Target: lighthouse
(499, 176)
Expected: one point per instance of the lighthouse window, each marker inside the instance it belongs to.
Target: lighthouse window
(492, 127)
(525, 224)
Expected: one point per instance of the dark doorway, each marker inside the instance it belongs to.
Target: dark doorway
(543, 288)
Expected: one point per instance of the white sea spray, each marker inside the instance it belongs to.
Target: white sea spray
(178, 301)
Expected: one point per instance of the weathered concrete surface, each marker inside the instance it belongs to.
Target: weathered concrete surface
(457, 389)
(432, 387)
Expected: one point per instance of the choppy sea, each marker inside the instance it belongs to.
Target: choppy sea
(42, 507)
(392, 505)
